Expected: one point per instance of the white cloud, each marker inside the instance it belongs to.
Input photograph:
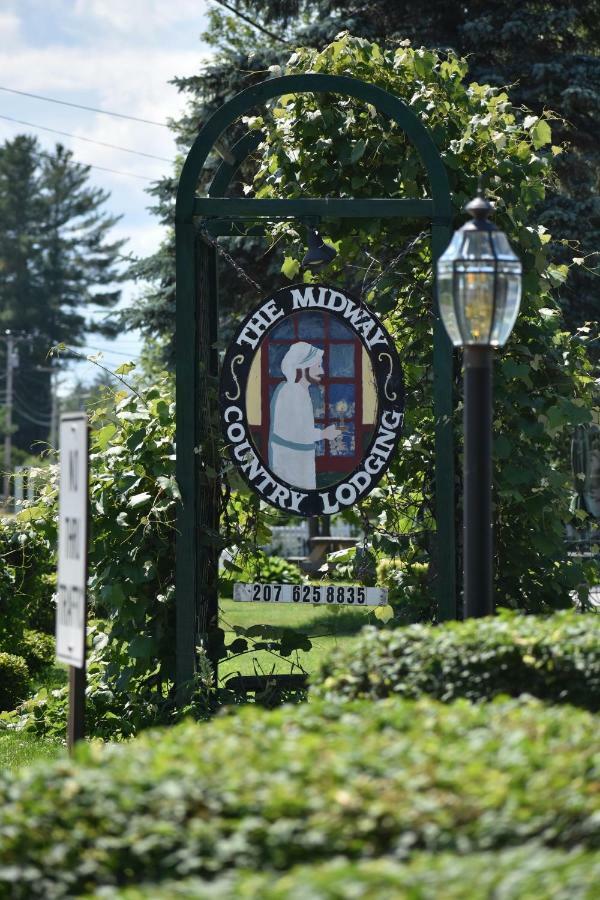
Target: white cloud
(145, 19)
(10, 26)
(117, 55)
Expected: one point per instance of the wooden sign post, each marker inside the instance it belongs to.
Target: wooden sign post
(71, 606)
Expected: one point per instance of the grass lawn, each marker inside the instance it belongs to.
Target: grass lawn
(20, 749)
(325, 626)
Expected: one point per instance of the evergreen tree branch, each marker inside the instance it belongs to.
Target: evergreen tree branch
(249, 21)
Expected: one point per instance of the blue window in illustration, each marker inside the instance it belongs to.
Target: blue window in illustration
(311, 326)
(342, 403)
(317, 395)
(338, 330)
(341, 361)
(284, 330)
(276, 354)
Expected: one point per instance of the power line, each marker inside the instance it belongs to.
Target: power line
(44, 423)
(104, 112)
(41, 411)
(110, 352)
(38, 416)
(79, 137)
(253, 22)
(101, 168)
(104, 169)
(114, 171)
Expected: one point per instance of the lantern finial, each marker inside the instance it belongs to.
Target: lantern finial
(481, 208)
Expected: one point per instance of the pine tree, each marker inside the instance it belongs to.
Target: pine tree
(56, 258)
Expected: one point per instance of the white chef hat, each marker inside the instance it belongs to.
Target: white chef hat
(300, 356)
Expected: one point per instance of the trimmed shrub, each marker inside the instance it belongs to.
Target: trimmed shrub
(14, 680)
(28, 569)
(555, 658)
(259, 568)
(38, 650)
(266, 791)
(529, 872)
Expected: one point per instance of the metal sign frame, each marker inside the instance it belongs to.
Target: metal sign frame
(197, 333)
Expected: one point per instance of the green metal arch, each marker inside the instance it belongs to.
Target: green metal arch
(196, 328)
(242, 149)
(253, 96)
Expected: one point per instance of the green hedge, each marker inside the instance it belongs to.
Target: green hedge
(529, 873)
(555, 658)
(259, 567)
(14, 680)
(267, 790)
(38, 650)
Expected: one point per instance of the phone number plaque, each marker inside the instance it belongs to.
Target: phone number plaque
(315, 594)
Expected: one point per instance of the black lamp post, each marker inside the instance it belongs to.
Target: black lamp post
(479, 293)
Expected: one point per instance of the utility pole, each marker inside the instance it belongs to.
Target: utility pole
(54, 412)
(9, 341)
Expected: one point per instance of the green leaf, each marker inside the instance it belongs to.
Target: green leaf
(541, 134)
(358, 150)
(141, 646)
(125, 368)
(384, 613)
(502, 447)
(31, 514)
(290, 267)
(103, 436)
(558, 274)
(139, 499)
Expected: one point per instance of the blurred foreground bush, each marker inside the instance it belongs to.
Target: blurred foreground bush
(266, 791)
(531, 873)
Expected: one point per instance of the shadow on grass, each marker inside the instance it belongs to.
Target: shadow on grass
(339, 622)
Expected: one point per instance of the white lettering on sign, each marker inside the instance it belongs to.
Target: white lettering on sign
(262, 319)
(331, 500)
(335, 301)
(72, 540)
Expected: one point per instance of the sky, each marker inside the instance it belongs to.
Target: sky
(116, 55)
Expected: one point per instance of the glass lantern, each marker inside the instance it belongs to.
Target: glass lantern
(479, 282)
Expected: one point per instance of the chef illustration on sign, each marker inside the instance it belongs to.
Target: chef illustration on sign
(293, 435)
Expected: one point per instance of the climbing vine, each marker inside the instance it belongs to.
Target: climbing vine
(324, 145)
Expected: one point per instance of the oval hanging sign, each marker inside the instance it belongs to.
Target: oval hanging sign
(312, 399)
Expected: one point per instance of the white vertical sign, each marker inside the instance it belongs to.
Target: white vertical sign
(72, 540)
